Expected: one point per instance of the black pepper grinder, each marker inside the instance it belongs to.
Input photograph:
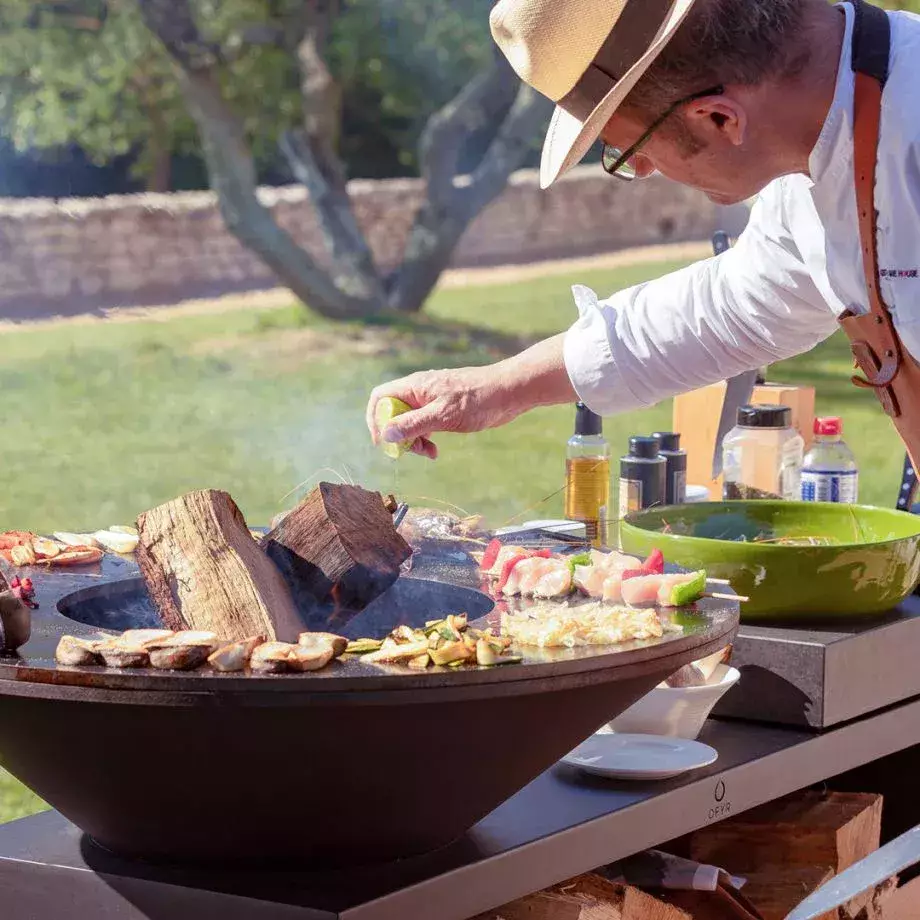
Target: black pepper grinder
(676, 467)
(643, 476)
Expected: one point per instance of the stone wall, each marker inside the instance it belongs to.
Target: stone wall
(77, 255)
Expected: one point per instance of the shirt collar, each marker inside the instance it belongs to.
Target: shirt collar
(823, 163)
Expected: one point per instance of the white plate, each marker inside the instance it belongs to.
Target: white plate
(639, 756)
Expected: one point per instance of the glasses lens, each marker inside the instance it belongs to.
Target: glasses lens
(612, 156)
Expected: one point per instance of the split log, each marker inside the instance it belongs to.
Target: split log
(15, 620)
(805, 829)
(588, 897)
(776, 890)
(204, 571)
(904, 903)
(339, 547)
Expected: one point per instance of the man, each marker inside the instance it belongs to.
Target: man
(732, 97)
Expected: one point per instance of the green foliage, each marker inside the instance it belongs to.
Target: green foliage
(108, 92)
(114, 91)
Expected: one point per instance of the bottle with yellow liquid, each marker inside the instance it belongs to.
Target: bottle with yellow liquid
(587, 476)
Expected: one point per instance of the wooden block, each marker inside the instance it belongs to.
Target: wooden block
(696, 416)
(903, 903)
(708, 905)
(805, 829)
(776, 890)
(588, 897)
(204, 571)
(337, 546)
(870, 905)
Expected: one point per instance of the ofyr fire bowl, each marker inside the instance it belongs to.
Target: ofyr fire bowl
(351, 765)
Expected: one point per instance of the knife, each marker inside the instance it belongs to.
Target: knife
(738, 390)
(889, 860)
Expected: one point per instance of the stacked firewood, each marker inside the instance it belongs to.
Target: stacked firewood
(784, 850)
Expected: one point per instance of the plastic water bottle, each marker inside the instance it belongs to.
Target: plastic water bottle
(830, 472)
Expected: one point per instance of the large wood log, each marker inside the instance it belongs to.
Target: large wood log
(15, 620)
(204, 570)
(338, 547)
(588, 897)
(904, 903)
(805, 829)
(776, 890)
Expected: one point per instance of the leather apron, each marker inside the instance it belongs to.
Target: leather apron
(887, 367)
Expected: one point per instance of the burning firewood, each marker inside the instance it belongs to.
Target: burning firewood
(204, 571)
(338, 546)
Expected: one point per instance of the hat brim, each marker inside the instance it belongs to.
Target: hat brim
(569, 139)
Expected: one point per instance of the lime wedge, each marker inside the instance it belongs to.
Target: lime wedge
(387, 409)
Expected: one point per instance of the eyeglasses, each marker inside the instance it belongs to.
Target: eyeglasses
(622, 163)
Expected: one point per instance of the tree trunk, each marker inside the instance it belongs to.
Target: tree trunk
(159, 156)
(231, 170)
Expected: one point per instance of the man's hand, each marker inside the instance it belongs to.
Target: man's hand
(473, 398)
(464, 400)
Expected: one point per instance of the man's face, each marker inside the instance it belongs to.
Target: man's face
(706, 145)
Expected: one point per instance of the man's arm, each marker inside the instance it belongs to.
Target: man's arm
(752, 306)
(749, 307)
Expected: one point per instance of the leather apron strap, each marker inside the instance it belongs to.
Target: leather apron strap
(886, 365)
(871, 53)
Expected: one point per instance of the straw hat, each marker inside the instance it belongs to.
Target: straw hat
(585, 55)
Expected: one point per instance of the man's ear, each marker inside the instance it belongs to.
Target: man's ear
(719, 116)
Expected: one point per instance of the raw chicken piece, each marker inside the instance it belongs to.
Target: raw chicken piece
(614, 562)
(505, 553)
(669, 582)
(590, 579)
(651, 589)
(531, 577)
(612, 591)
(513, 586)
(557, 583)
(639, 592)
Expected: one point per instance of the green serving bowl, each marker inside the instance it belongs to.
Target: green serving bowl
(865, 561)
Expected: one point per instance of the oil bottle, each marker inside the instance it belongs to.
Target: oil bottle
(587, 476)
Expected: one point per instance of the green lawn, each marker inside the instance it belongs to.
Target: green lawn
(103, 421)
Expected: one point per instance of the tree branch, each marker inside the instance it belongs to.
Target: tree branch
(173, 23)
(482, 102)
(351, 256)
(512, 114)
(529, 114)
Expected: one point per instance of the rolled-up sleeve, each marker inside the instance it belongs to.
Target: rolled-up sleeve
(746, 308)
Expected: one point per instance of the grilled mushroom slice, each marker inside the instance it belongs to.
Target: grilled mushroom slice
(183, 651)
(76, 652)
(173, 656)
(117, 655)
(304, 658)
(197, 637)
(314, 640)
(271, 657)
(141, 637)
(235, 657)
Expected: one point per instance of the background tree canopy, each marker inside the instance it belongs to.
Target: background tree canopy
(114, 93)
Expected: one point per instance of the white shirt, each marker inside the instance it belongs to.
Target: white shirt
(795, 269)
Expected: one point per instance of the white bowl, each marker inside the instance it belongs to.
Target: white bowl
(676, 711)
